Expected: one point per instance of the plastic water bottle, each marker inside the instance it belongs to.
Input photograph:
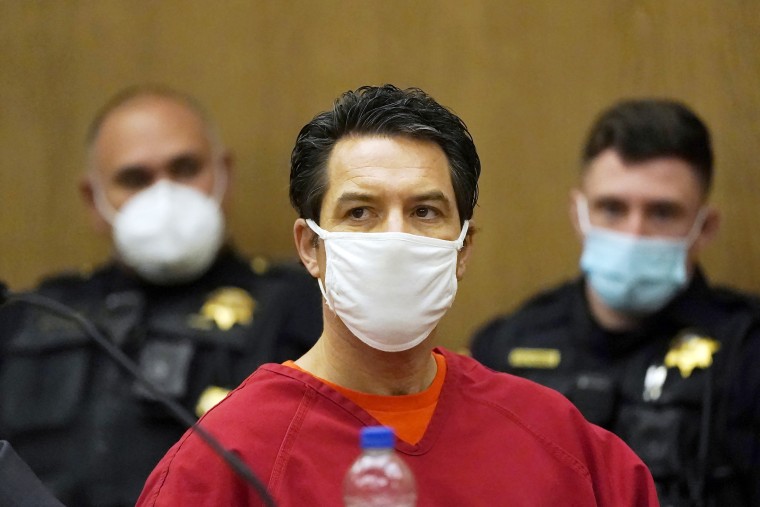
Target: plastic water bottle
(379, 477)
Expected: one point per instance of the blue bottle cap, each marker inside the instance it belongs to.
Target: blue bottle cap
(377, 437)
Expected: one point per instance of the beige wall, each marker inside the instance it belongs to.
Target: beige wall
(527, 77)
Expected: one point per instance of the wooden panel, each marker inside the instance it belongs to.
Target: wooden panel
(528, 77)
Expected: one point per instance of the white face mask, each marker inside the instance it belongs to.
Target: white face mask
(390, 289)
(168, 233)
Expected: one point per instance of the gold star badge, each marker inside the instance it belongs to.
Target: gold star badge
(690, 350)
(225, 307)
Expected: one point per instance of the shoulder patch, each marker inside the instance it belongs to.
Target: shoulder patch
(64, 279)
(736, 298)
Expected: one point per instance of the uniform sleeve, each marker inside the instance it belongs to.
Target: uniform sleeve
(10, 317)
(743, 435)
(302, 315)
(488, 344)
(545, 312)
(619, 477)
(18, 484)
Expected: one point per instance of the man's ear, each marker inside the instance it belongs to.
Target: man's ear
(306, 246)
(87, 191)
(575, 196)
(463, 256)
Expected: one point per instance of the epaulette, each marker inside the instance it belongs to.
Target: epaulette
(548, 305)
(736, 298)
(283, 268)
(547, 309)
(64, 279)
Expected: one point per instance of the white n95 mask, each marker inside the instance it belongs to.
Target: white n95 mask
(390, 289)
(168, 233)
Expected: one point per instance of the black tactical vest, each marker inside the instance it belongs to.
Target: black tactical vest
(661, 389)
(89, 430)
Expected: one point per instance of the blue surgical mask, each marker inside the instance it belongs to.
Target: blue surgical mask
(633, 274)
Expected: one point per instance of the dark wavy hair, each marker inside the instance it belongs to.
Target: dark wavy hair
(644, 129)
(387, 111)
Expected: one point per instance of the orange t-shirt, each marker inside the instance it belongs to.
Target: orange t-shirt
(407, 414)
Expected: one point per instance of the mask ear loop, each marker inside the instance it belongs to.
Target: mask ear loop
(462, 235)
(581, 207)
(317, 229)
(104, 207)
(321, 233)
(220, 184)
(696, 229)
(108, 212)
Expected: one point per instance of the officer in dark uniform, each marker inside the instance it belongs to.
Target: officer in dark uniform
(177, 298)
(640, 342)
